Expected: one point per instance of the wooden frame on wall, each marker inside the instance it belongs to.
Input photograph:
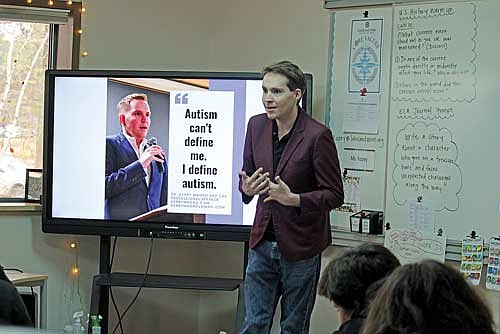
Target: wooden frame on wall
(33, 185)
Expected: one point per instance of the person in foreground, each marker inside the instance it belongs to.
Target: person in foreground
(350, 279)
(427, 297)
(134, 184)
(13, 312)
(290, 161)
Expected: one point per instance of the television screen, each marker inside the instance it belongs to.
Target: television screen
(180, 180)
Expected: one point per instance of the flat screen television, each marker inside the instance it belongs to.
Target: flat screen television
(198, 118)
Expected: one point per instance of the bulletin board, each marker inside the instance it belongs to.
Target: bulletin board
(414, 107)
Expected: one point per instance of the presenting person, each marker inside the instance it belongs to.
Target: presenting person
(291, 162)
(136, 169)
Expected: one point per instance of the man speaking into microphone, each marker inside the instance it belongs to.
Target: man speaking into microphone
(136, 168)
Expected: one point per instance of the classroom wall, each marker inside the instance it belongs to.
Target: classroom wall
(215, 35)
(207, 35)
(179, 35)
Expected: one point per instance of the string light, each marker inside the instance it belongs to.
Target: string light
(70, 2)
(74, 269)
(29, 1)
(80, 31)
(51, 2)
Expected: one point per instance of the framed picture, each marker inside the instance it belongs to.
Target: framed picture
(33, 186)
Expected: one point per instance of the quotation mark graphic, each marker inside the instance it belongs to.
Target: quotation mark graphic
(181, 98)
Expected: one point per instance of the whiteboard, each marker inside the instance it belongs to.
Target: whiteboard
(342, 90)
(439, 105)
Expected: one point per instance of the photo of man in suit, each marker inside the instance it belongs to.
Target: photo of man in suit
(136, 168)
(290, 161)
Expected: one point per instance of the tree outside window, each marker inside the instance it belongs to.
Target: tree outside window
(34, 36)
(24, 51)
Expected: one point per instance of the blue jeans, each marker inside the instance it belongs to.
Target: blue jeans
(270, 276)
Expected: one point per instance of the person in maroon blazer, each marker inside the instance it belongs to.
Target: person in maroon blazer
(290, 161)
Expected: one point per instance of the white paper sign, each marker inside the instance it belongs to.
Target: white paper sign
(361, 113)
(421, 217)
(412, 246)
(365, 59)
(357, 159)
(200, 142)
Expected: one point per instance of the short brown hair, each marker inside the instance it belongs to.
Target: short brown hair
(427, 297)
(124, 104)
(292, 72)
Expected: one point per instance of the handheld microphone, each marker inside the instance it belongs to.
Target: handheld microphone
(153, 141)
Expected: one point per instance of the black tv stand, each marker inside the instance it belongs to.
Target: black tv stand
(102, 283)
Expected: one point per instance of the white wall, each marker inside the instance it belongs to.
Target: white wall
(221, 35)
(228, 35)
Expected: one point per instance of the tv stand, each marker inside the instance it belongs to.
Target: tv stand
(99, 303)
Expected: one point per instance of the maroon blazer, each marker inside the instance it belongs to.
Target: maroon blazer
(309, 165)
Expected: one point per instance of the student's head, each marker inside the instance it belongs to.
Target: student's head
(134, 115)
(427, 297)
(348, 277)
(283, 85)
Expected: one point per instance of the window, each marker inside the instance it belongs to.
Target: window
(33, 37)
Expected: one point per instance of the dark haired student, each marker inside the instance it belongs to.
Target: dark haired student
(350, 280)
(134, 184)
(428, 298)
(13, 312)
(291, 163)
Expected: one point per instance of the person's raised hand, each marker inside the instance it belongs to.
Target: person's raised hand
(255, 184)
(280, 192)
(152, 153)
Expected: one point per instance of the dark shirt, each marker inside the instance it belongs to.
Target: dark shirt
(352, 326)
(12, 309)
(278, 148)
(279, 145)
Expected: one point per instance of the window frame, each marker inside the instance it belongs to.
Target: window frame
(74, 14)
